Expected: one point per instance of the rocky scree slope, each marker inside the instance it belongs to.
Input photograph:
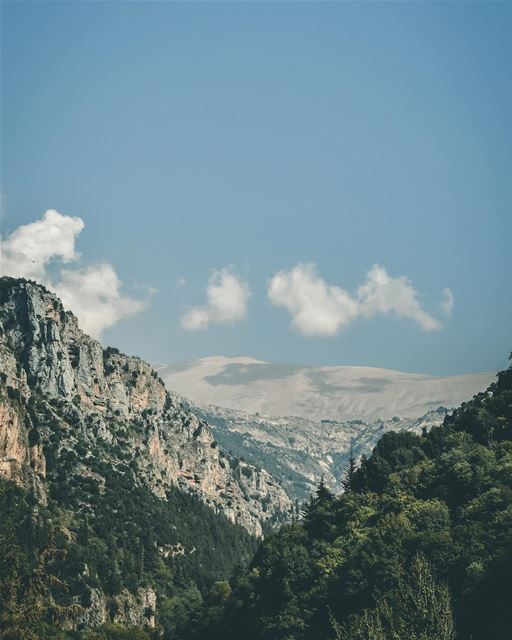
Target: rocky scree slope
(94, 402)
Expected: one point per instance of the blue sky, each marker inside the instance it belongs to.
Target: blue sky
(191, 137)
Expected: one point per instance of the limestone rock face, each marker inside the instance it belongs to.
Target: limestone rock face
(95, 614)
(56, 376)
(137, 609)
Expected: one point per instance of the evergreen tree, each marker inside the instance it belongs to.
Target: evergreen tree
(318, 516)
(348, 474)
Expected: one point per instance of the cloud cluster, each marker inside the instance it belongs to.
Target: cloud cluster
(227, 296)
(93, 293)
(318, 308)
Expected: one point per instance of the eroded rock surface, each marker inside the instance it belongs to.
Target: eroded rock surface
(92, 396)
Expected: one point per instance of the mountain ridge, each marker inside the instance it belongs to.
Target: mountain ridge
(105, 385)
(339, 393)
(117, 503)
(300, 452)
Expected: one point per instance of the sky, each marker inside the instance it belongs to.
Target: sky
(310, 183)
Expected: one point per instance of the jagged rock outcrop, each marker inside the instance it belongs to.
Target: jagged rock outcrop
(137, 609)
(89, 396)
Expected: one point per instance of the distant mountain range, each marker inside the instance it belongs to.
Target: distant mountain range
(300, 423)
(339, 393)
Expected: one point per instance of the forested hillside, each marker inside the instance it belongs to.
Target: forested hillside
(122, 520)
(132, 558)
(116, 503)
(419, 547)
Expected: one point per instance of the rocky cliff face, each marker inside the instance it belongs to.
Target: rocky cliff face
(65, 396)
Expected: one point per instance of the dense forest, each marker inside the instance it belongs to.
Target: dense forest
(56, 558)
(417, 547)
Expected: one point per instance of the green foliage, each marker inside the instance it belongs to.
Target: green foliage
(55, 555)
(116, 632)
(30, 552)
(420, 544)
(350, 471)
(418, 609)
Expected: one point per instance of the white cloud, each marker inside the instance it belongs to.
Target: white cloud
(383, 294)
(195, 319)
(448, 302)
(29, 248)
(227, 298)
(93, 293)
(318, 308)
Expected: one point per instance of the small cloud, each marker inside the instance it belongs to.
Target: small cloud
(383, 294)
(227, 298)
(448, 302)
(318, 308)
(93, 293)
(195, 319)
(181, 282)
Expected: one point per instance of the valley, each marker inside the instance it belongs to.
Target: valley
(300, 452)
(127, 506)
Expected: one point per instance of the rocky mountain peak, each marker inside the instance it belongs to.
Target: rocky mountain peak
(64, 397)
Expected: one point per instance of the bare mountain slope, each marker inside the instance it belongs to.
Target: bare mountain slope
(318, 393)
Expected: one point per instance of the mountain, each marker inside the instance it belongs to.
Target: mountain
(300, 452)
(112, 471)
(318, 393)
(302, 423)
(125, 510)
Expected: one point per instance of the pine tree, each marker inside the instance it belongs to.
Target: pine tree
(348, 474)
(319, 512)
